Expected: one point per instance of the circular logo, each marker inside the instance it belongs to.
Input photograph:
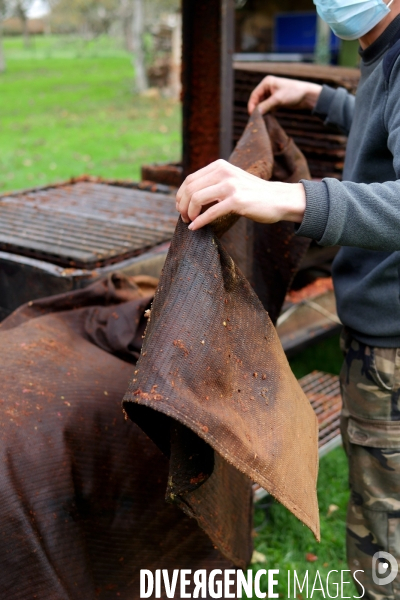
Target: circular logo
(387, 565)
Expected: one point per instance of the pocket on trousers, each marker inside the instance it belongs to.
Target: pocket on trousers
(374, 465)
(383, 367)
(374, 434)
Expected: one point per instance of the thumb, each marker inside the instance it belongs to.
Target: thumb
(268, 104)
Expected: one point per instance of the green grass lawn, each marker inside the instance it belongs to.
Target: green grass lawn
(67, 108)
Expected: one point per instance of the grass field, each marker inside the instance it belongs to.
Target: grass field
(67, 108)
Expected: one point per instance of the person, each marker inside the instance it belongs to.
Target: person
(361, 213)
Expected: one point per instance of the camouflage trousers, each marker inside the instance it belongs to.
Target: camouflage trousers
(370, 381)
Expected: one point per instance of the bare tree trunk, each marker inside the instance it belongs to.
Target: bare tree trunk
(21, 13)
(176, 58)
(125, 11)
(141, 83)
(128, 35)
(25, 31)
(2, 57)
(47, 24)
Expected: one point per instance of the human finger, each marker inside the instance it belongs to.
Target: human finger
(196, 189)
(214, 212)
(185, 193)
(258, 94)
(216, 164)
(269, 104)
(213, 174)
(265, 89)
(206, 196)
(197, 175)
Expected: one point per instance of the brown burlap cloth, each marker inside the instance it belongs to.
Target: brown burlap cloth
(82, 506)
(82, 490)
(268, 255)
(213, 388)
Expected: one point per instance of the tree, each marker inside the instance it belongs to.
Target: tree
(90, 17)
(125, 17)
(132, 18)
(144, 15)
(141, 83)
(3, 12)
(20, 9)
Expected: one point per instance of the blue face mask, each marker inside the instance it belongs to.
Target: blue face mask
(351, 19)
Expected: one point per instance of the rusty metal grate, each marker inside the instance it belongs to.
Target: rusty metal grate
(85, 224)
(323, 146)
(323, 392)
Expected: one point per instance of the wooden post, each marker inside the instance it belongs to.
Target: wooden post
(227, 74)
(207, 81)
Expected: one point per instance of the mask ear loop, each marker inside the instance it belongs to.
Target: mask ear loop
(389, 4)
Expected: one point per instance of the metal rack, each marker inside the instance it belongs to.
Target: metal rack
(63, 237)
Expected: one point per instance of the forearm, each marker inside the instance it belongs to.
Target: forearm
(312, 95)
(289, 200)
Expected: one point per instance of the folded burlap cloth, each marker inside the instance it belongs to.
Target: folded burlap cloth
(82, 507)
(213, 388)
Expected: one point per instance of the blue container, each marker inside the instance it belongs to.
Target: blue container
(296, 32)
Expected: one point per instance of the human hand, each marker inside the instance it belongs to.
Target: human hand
(279, 91)
(221, 189)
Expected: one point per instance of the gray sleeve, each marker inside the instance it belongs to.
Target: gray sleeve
(335, 107)
(359, 214)
(353, 214)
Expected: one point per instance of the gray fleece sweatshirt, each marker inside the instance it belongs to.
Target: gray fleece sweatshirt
(362, 212)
